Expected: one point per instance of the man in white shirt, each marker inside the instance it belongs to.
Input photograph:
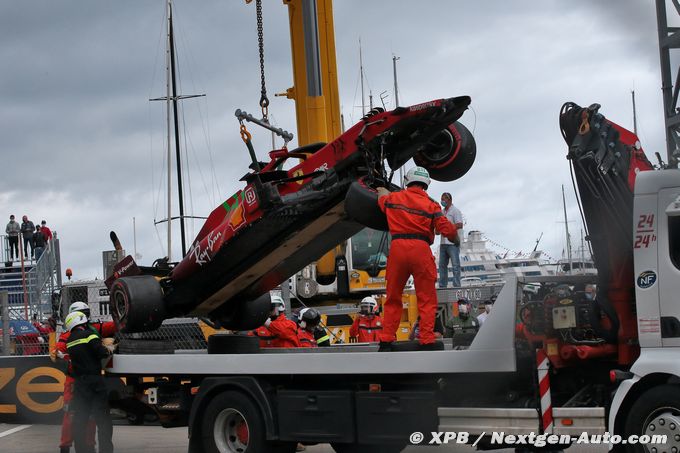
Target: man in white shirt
(447, 249)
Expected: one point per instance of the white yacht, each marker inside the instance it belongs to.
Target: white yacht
(479, 264)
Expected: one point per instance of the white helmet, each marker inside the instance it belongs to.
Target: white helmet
(417, 174)
(78, 306)
(75, 319)
(278, 303)
(368, 303)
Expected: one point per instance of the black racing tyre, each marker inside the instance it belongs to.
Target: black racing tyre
(450, 154)
(233, 423)
(362, 448)
(233, 344)
(248, 314)
(137, 303)
(656, 412)
(133, 346)
(361, 204)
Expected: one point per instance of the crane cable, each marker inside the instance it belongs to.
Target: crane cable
(264, 101)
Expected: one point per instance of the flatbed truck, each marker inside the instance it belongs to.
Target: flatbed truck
(546, 362)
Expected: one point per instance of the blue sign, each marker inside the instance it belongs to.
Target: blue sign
(646, 279)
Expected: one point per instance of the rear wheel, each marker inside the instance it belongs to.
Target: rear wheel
(137, 303)
(656, 412)
(450, 154)
(233, 424)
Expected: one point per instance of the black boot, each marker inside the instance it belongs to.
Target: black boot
(64, 449)
(385, 346)
(436, 346)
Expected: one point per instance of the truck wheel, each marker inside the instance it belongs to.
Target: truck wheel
(233, 424)
(656, 412)
(137, 303)
(450, 154)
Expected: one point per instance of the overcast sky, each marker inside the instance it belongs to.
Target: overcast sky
(82, 147)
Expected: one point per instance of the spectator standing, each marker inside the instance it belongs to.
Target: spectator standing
(12, 230)
(450, 250)
(46, 231)
(27, 229)
(39, 242)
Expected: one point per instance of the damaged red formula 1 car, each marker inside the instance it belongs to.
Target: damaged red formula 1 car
(284, 219)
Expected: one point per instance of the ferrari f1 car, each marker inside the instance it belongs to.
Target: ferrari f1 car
(284, 219)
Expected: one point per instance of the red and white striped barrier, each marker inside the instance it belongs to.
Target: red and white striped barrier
(543, 368)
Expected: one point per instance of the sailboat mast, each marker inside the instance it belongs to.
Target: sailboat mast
(632, 93)
(566, 228)
(396, 89)
(167, 117)
(361, 74)
(176, 128)
(396, 104)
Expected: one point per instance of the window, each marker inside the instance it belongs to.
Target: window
(674, 240)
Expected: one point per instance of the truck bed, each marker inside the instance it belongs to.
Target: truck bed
(492, 350)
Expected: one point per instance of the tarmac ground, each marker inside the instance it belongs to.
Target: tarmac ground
(155, 439)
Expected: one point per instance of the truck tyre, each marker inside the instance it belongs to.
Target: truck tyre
(233, 423)
(656, 412)
(450, 154)
(137, 303)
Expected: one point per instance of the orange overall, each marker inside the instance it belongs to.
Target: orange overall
(366, 328)
(280, 333)
(412, 218)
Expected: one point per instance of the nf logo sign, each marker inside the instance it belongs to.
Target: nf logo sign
(646, 279)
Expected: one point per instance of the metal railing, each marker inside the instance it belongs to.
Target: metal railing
(28, 290)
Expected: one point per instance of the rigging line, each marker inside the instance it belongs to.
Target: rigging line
(194, 80)
(186, 188)
(580, 209)
(187, 148)
(158, 236)
(161, 179)
(155, 198)
(215, 183)
(354, 100)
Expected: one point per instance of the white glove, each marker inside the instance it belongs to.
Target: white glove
(382, 192)
(60, 354)
(267, 322)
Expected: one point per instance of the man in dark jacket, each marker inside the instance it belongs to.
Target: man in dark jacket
(27, 229)
(39, 242)
(86, 351)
